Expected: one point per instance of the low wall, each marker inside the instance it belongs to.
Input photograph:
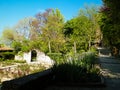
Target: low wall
(31, 82)
(44, 81)
(6, 73)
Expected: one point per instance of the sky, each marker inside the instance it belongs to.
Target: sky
(11, 11)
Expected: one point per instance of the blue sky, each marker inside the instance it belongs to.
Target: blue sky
(11, 11)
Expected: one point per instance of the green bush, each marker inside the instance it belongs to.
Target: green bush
(78, 69)
(7, 55)
(1, 59)
(57, 57)
(88, 60)
(74, 72)
(68, 72)
(94, 49)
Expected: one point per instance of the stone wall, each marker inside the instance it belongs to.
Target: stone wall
(8, 72)
(41, 58)
(27, 57)
(44, 59)
(36, 81)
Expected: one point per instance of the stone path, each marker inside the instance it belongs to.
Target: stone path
(110, 69)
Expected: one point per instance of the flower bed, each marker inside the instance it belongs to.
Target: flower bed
(16, 71)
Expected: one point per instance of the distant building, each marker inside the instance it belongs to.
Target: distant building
(6, 53)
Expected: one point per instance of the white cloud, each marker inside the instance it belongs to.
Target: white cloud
(41, 10)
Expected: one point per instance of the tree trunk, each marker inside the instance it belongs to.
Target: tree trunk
(75, 51)
(89, 43)
(49, 45)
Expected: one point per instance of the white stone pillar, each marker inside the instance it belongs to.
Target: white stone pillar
(27, 57)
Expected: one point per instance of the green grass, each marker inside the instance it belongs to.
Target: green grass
(4, 63)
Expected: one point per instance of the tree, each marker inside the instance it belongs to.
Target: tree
(110, 23)
(51, 24)
(8, 36)
(93, 28)
(82, 29)
(24, 29)
(27, 33)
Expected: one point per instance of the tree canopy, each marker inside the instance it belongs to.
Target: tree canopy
(49, 32)
(110, 22)
(83, 28)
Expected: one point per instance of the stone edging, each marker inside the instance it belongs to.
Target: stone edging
(41, 80)
(23, 83)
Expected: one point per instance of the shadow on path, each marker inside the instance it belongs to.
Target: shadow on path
(110, 69)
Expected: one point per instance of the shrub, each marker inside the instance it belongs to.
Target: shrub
(88, 60)
(57, 57)
(94, 49)
(74, 72)
(1, 59)
(7, 55)
(79, 69)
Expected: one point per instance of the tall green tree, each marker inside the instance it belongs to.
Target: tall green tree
(110, 23)
(93, 28)
(82, 29)
(8, 36)
(51, 23)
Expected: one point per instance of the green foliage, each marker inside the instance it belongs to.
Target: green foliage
(27, 68)
(25, 49)
(44, 32)
(21, 46)
(11, 62)
(48, 32)
(69, 72)
(37, 68)
(1, 59)
(77, 70)
(2, 45)
(57, 57)
(8, 36)
(85, 59)
(17, 46)
(94, 50)
(88, 60)
(7, 55)
(110, 23)
(52, 31)
(81, 30)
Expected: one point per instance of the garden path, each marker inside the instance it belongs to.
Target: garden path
(110, 69)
